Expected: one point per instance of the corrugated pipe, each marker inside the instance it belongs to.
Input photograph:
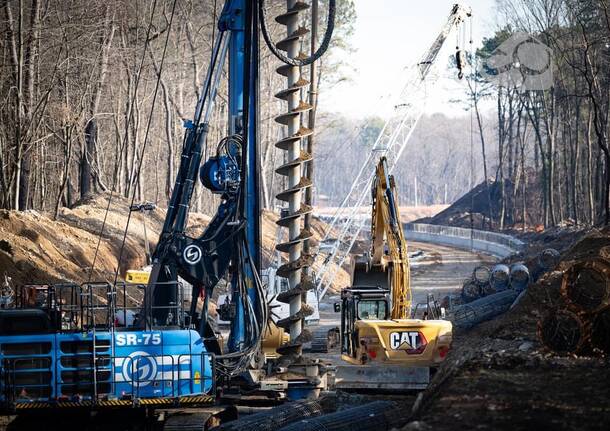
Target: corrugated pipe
(375, 416)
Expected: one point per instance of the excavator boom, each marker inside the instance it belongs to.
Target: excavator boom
(385, 223)
(387, 263)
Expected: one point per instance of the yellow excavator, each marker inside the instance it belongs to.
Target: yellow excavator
(383, 344)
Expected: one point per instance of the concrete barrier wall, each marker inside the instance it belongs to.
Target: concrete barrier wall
(492, 243)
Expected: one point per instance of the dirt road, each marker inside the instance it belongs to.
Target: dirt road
(442, 270)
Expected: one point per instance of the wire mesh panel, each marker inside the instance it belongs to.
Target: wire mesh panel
(563, 331)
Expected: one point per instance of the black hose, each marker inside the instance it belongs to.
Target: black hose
(330, 26)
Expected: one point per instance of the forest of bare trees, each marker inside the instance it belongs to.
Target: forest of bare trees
(543, 150)
(76, 87)
(434, 169)
(553, 162)
(78, 77)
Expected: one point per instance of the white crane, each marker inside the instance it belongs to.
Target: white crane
(345, 226)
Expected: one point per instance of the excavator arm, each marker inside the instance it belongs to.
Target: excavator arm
(387, 263)
(388, 243)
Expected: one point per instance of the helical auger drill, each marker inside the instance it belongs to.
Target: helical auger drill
(296, 158)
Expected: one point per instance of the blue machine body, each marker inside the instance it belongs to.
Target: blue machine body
(138, 367)
(163, 359)
(241, 88)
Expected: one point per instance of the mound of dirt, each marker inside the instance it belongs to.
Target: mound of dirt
(481, 207)
(499, 376)
(472, 207)
(34, 248)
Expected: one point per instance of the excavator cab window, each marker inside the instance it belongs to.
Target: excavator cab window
(372, 310)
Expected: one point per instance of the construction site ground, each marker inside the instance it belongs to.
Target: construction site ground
(497, 375)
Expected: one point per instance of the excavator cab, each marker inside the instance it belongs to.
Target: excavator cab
(368, 303)
(382, 353)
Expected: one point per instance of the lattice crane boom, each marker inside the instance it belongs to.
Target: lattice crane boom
(391, 142)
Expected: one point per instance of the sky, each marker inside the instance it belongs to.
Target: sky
(391, 35)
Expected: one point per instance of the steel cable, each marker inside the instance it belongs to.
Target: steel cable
(124, 143)
(145, 144)
(308, 60)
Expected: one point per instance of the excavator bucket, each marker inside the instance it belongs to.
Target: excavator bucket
(363, 275)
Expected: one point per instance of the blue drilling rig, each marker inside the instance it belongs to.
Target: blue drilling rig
(70, 346)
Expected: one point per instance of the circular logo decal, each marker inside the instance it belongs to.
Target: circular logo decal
(192, 254)
(139, 368)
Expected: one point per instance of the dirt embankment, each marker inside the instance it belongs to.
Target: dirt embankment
(499, 376)
(34, 248)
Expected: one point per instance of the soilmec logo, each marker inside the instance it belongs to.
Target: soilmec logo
(413, 342)
(139, 368)
(192, 254)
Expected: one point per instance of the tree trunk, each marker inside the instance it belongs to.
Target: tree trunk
(89, 154)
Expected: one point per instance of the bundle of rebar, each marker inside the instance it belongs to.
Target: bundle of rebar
(547, 260)
(519, 276)
(477, 285)
(582, 323)
(468, 315)
(564, 331)
(481, 275)
(585, 285)
(375, 416)
(278, 417)
(485, 281)
(500, 277)
(470, 291)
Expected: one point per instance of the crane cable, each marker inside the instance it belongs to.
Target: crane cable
(124, 143)
(307, 60)
(472, 78)
(146, 140)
